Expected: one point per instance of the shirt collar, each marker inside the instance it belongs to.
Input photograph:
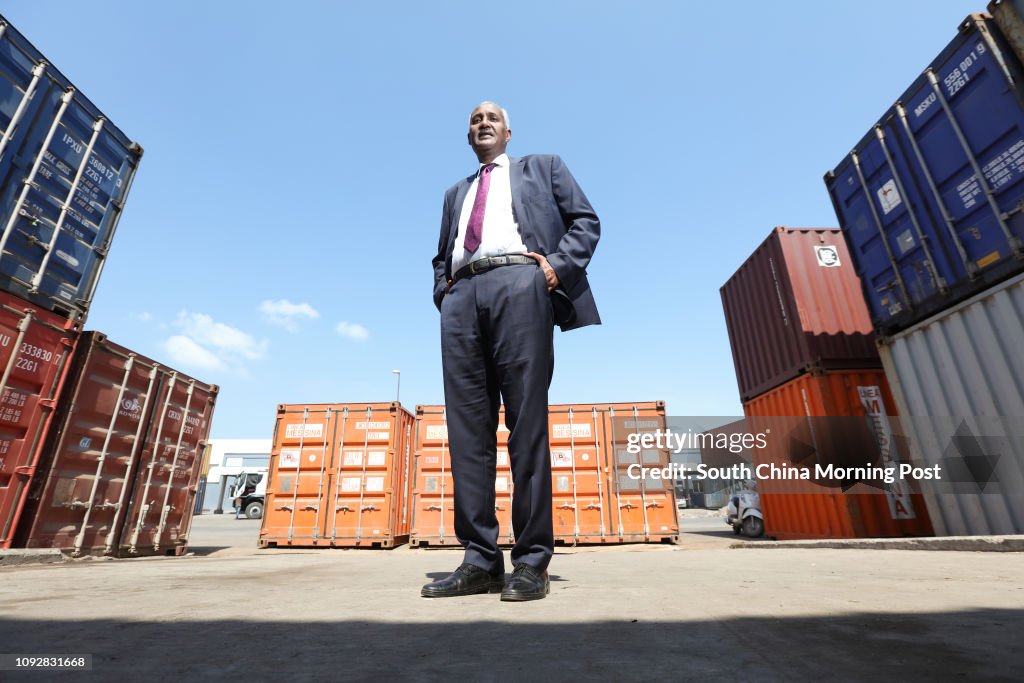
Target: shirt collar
(501, 160)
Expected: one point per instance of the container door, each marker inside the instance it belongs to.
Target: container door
(433, 509)
(299, 476)
(84, 499)
(365, 492)
(34, 351)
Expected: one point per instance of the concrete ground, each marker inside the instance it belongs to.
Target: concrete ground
(699, 610)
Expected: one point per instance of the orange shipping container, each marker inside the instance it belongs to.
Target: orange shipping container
(806, 509)
(594, 500)
(339, 476)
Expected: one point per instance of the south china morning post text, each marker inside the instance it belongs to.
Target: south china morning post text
(740, 442)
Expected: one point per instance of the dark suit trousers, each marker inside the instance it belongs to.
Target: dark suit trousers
(497, 344)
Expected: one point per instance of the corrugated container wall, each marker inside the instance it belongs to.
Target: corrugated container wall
(340, 476)
(796, 305)
(65, 172)
(35, 349)
(959, 376)
(159, 516)
(929, 198)
(806, 509)
(99, 456)
(594, 500)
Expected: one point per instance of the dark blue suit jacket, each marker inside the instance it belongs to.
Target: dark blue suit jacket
(555, 219)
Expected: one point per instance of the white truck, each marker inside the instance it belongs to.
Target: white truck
(248, 493)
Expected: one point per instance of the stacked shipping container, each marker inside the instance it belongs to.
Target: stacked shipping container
(811, 509)
(35, 347)
(929, 201)
(929, 198)
(788, 310)
(65, 172)
(108, 463)
(803, 347)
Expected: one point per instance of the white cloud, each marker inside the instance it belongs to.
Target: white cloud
(186, 352)
(286, 314)
(143, 317)
(229, 342)
(203, 343)
(352, 331)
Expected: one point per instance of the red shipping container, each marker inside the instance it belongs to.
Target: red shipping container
(106, 420)
(339, 476)
(795, 509)
(796, 305)
(35, 346)
(164, 485)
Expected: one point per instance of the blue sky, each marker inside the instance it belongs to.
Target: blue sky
(278, 237)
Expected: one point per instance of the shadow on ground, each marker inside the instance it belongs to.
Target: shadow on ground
(205, 550)
(960, 645)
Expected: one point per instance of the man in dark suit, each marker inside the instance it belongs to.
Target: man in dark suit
(516, 238)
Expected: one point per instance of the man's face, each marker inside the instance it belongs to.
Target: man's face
(488, 134)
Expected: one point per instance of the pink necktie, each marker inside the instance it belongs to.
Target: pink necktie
(476, 216)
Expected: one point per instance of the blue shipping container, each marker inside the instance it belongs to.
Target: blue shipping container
(65, 172)
(931, 198)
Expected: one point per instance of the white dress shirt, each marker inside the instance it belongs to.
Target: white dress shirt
(500, 233)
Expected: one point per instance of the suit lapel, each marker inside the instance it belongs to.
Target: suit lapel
(516, 182)
(460, 198)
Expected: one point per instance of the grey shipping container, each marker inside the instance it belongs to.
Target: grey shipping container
(796, 305)
(958, 380)
(65, 172)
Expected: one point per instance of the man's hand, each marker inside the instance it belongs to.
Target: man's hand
(549, 272)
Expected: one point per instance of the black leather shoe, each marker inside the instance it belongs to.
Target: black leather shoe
(468, 579)
(526, 583)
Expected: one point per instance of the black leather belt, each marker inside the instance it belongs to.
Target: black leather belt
(484, 264)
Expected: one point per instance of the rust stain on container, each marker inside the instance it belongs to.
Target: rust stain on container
(97, 457)
(796, 305)
(594, 500)
(340, 476)
(35, 346)
(805, 509)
